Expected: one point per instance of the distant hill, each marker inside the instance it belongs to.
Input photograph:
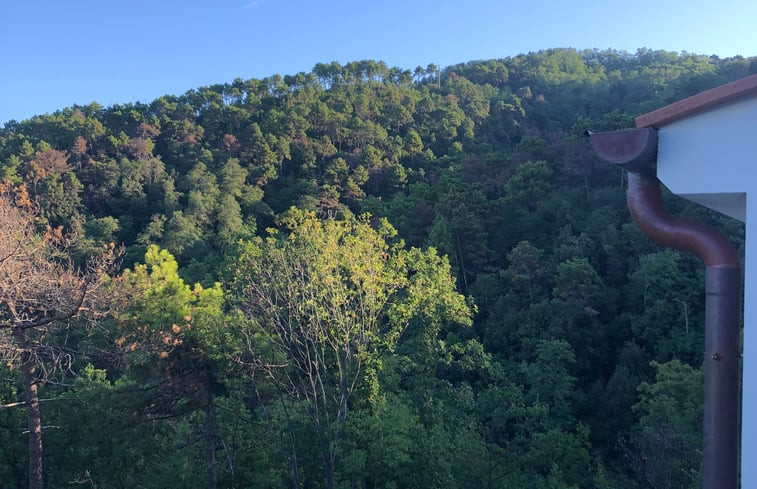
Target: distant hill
(578, 335)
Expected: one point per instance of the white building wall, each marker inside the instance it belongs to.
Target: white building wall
(749, 392)
(714, 152)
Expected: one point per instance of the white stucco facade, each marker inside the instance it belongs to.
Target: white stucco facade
(710, 157)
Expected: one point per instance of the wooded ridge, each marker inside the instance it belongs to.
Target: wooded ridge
(357, 277)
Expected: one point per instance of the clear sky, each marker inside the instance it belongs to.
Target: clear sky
(56, 53)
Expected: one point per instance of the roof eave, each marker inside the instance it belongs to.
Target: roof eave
(700, 102)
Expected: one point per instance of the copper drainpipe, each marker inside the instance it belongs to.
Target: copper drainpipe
(636, 151)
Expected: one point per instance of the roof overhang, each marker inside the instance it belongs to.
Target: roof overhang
(707, 146)
(700, 102)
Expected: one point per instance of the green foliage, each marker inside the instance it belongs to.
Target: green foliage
(326, 302)
(666, 448)
(550, 380)
(668, 311)
(112, 448)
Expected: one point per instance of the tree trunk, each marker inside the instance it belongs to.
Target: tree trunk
(329, 469)
(33, 416)
(210, 436)
(292, 445)
(462, 262)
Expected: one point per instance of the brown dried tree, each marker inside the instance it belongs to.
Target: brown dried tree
(40, 291)
(44, 163)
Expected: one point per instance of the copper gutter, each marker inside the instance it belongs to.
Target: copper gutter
(636, 151)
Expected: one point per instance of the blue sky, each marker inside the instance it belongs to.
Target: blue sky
(54, 53)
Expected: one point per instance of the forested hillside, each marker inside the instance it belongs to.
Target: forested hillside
(357, 277)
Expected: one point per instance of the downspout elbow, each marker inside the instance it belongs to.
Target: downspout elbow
(645, 203)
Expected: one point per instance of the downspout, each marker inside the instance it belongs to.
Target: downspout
(636, 151)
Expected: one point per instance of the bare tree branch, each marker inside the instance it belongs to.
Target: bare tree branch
(40, 290)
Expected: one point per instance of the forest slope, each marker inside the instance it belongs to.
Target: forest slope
(530, 335)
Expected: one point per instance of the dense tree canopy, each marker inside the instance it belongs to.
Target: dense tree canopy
(492, 320)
